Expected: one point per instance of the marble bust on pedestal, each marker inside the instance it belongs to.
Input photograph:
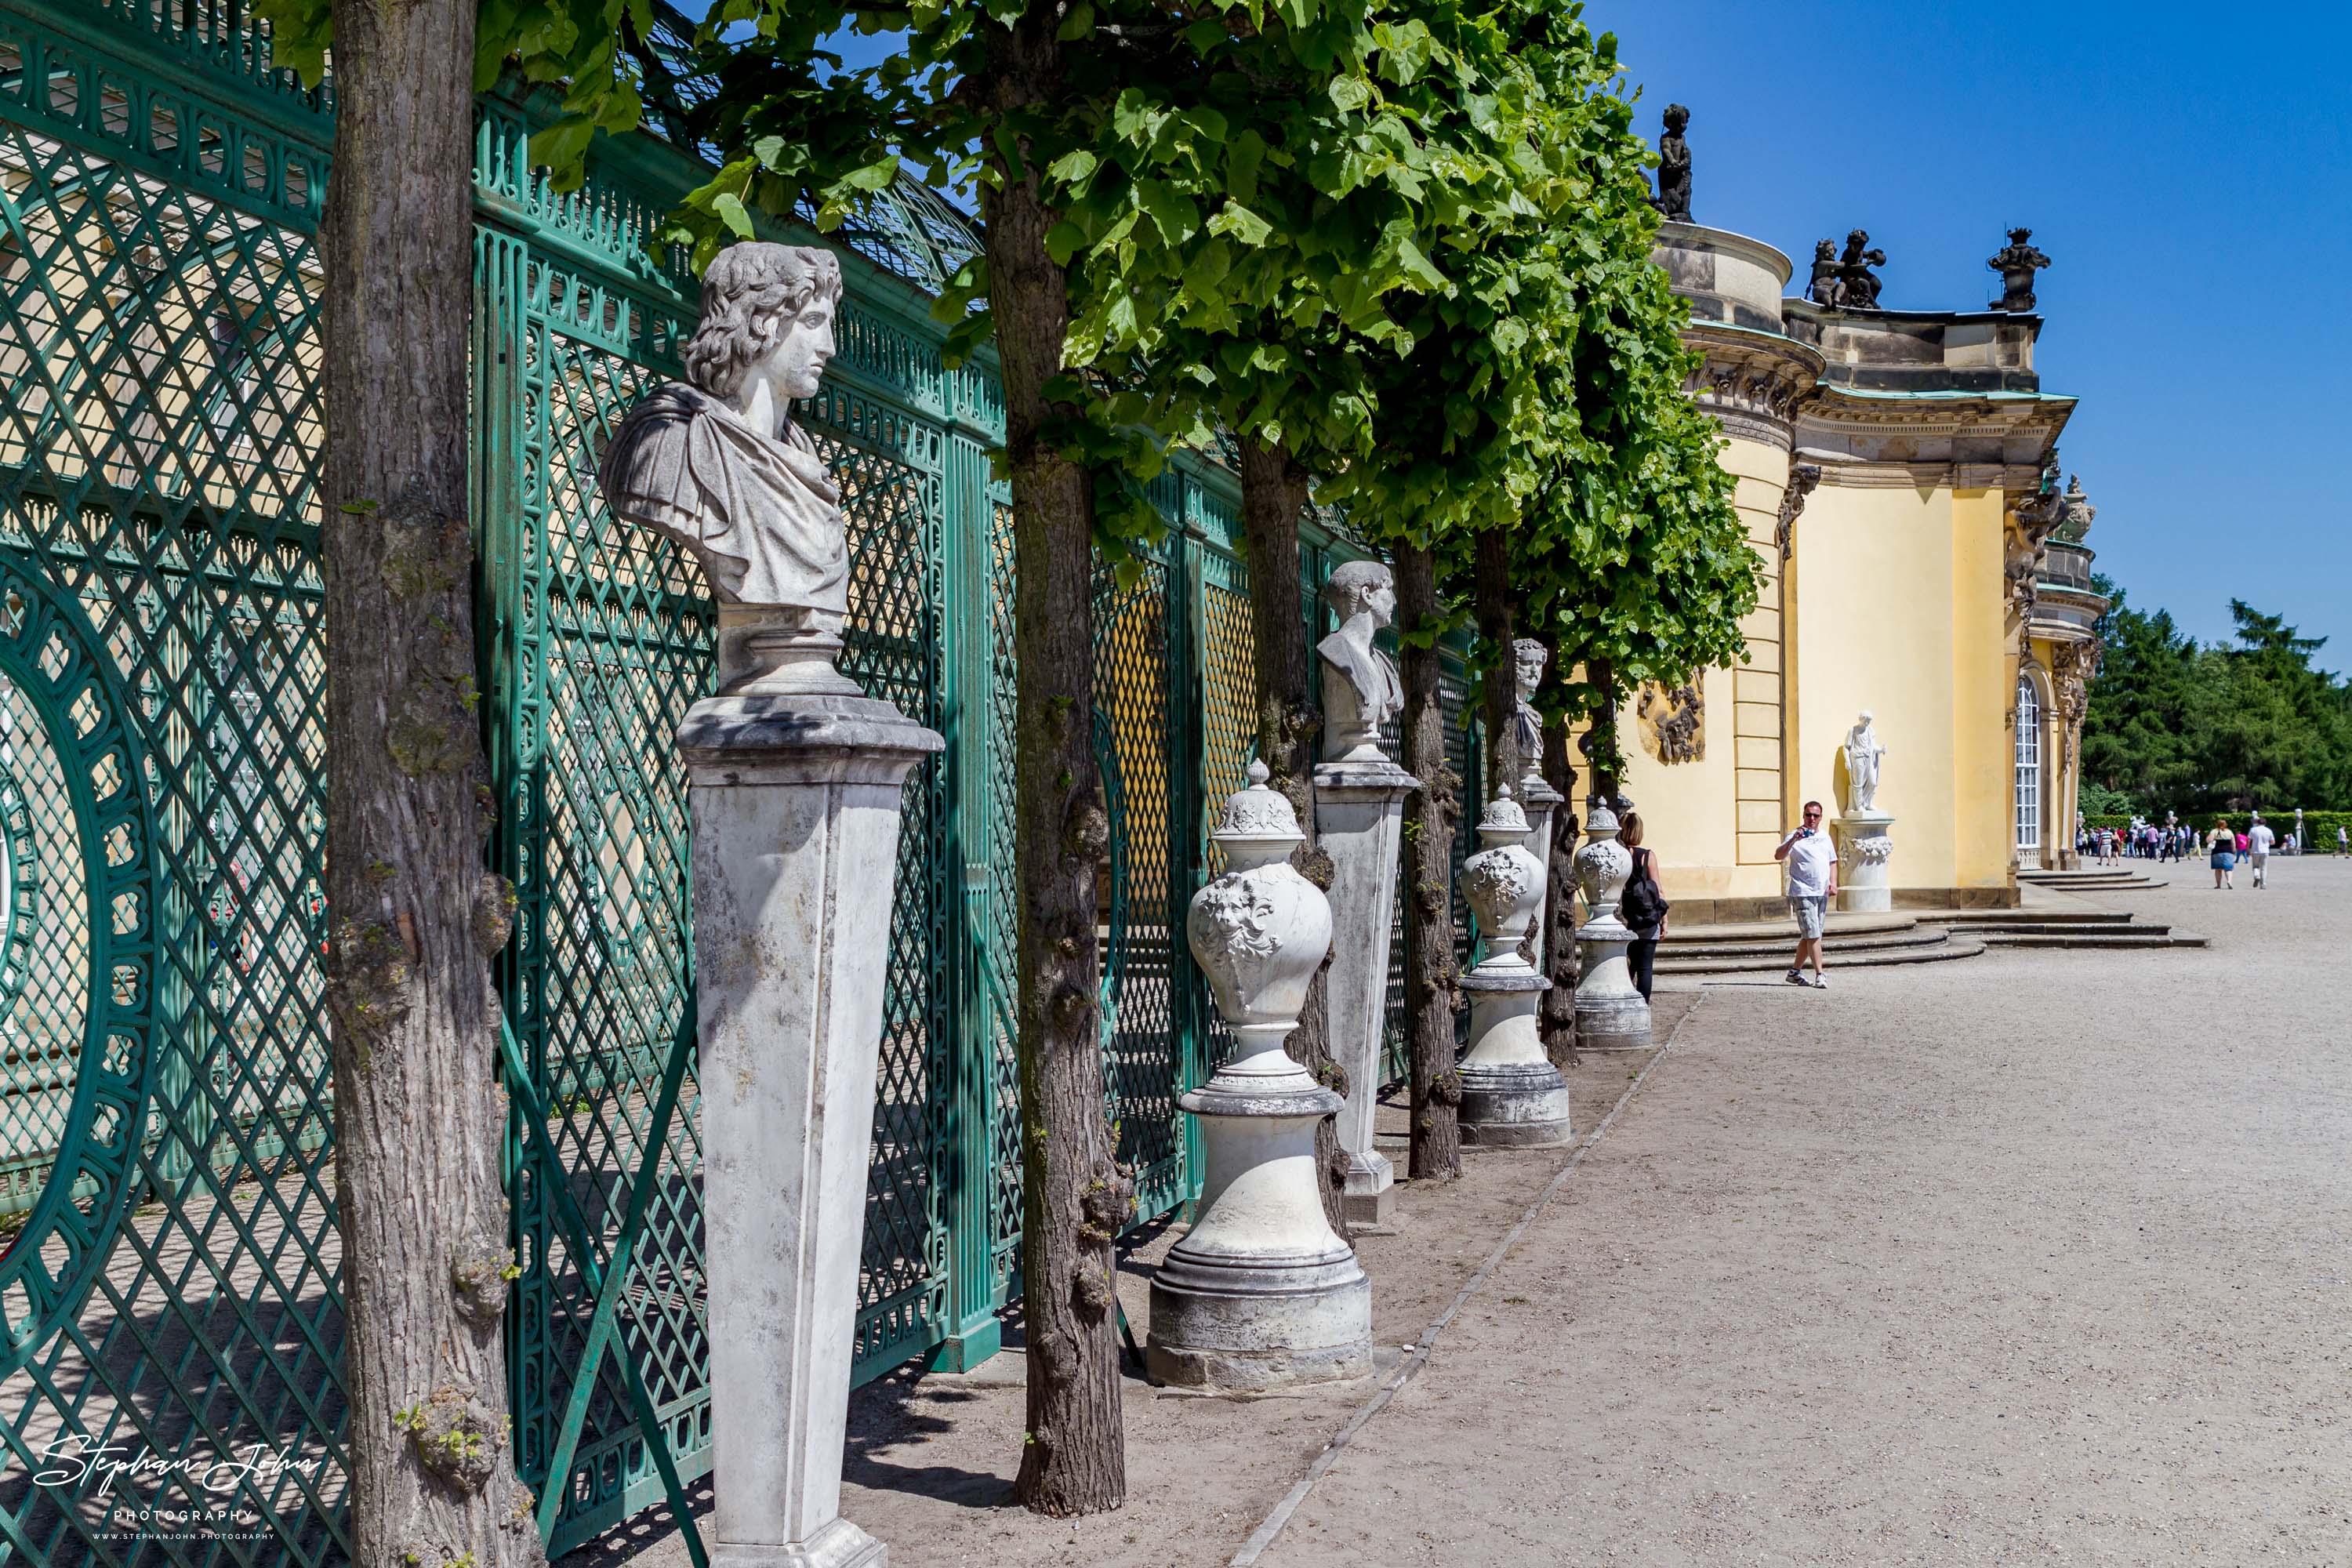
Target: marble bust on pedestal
(1529, 657)
(1361, 689)
(717, 463)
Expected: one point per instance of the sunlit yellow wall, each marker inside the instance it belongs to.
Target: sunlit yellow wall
(1901, 612)
(1984, 686)
(1713, 822)
(1875, 631)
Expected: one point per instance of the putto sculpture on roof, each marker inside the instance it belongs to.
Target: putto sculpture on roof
(1846, 282)
(1857, 284)
(1673, 197)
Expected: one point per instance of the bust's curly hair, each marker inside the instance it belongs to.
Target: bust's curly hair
(752, 292)
(1349, 583)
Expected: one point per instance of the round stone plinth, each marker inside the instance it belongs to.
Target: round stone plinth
(1234, 1325)
(1517, 1105)
(1613, 1023)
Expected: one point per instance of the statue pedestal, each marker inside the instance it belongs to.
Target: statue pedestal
(796, 805)
(1358, 812)
(1512, 1097)
(1864, 848)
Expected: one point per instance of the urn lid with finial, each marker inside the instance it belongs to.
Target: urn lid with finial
(1258, 817)
(1502, 819)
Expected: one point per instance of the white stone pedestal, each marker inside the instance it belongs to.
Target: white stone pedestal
(1512, 1096)
(796, 804)
(1864, 845)
(1358, 809)
(1610, 1015)
(1261, 1292)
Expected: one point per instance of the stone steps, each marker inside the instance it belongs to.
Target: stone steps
(1785, 944)
(2136, 936)
(1840, 927)
(2088, 881)
(2114, 925)
(1922, 944)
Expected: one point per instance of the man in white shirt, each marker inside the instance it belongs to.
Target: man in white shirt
(1813, 883)
(2259, 839)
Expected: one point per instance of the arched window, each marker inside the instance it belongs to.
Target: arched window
(2029, 765)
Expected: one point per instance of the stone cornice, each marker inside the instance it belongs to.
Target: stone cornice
(1967, 440)
(1753, 382)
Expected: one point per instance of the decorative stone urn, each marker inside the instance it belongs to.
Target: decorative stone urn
(1261, 1292)
(1610, 1015)
(1511, 1094)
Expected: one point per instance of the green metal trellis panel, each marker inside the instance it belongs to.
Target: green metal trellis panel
(159, 193)
(157, 495)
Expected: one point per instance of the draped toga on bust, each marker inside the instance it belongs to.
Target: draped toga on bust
(763, 513)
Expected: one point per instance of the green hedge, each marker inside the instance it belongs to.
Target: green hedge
(2318, 827)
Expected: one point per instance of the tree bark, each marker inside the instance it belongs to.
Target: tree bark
(1274, 492)
(1557, 1020)
(1075, 1196)
(419, 1114)
(1498, 688)
(1428, 875)
(1600, 736)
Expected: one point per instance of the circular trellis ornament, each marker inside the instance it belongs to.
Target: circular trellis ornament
(67, 680)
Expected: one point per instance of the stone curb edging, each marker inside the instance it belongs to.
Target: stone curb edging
(1270, 1528)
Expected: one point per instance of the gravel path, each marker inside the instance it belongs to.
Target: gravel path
(2038, 1258)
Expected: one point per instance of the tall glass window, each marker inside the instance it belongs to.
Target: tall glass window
(2029, 765)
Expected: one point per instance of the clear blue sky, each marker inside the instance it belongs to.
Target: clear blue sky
(2189, 171)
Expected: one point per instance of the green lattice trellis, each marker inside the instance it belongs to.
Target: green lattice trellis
(159, 190)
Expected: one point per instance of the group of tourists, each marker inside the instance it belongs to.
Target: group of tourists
(2143, 840)
(2174, 840)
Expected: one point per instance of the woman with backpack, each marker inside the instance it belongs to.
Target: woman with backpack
(1642, 905)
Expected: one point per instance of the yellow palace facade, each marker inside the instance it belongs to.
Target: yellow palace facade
(1896, 472)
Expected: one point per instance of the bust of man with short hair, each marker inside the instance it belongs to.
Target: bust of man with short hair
(1361, 689)
(716, 462)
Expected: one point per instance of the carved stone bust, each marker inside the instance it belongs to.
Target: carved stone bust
(1529, 657)
(716, 462)
(1361, 689)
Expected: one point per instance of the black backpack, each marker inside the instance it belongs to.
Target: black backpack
(1643, 904)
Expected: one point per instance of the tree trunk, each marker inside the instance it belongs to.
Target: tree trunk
(1074, 1195)
(1498, 688)
(1274, 492)
(419, 1114)
(1428, 891)
(1557, 1020)
(1600, 738)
